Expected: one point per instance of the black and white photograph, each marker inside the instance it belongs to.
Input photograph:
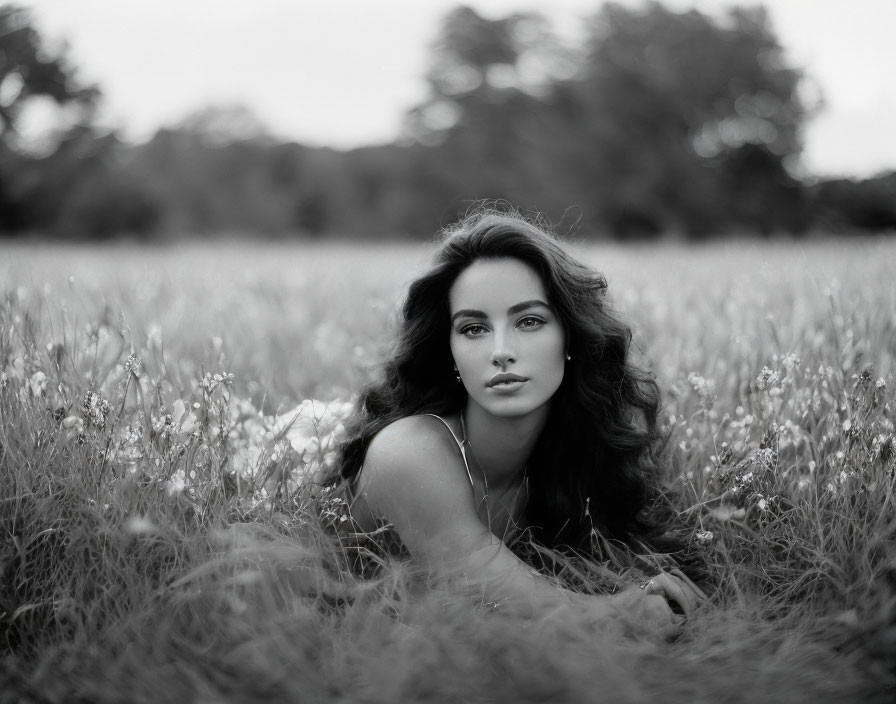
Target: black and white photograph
(447, 351)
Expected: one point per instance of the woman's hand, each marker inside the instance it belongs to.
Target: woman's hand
(676, 588)
(634, 607)
(651, 604)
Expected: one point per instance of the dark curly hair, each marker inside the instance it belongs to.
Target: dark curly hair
(593, 470)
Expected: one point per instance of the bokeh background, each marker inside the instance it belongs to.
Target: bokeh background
(166, 120)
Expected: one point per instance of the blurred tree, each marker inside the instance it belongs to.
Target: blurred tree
(479, 131)
(663, 121)
(225, 124)
(680, 96)
(29, 69)
(853, 205)
(669, 120)
(477, 61)
(83, 190)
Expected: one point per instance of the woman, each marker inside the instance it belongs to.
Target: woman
(509, 404)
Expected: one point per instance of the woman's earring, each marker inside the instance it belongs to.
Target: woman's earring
(568, 356)
(457, 374)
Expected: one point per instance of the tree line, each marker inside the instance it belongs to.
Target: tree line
(659, 123)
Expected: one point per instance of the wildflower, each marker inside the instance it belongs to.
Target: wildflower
(210, 382)
(177, 483)
(704, 389)
(790, 361)
(184, 422)
(75, 423)
(334, 509)
(38, 383)
(95, 409)
(880, 384)
(704, 537)
(697, 382)
(133, 364)
(762, 504)
(313, 425)
(767, 378)
(768, 457)
(246, 460)
(162, 424)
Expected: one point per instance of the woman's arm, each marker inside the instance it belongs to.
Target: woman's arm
(413, 477)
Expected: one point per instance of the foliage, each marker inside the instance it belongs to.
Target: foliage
(74, 184)
(851, 205)
(165, 537)
(676, 96)
(659, 123)
(28, 69)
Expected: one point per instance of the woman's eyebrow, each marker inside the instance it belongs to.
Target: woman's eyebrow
(515, 308)
(468, 313)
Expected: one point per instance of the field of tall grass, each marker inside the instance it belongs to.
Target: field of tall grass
(166, 416)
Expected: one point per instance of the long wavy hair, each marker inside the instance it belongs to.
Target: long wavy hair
(593, 470)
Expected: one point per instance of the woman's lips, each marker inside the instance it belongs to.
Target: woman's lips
(505, 380)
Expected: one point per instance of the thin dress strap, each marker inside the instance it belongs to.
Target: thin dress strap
(461, 445)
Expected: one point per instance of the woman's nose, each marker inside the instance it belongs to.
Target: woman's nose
(502, 355)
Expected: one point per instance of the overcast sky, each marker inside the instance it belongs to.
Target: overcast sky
(342, 72)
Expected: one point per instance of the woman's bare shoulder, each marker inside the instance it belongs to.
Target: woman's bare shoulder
(414, 458)
(403, 440)
(410, 443)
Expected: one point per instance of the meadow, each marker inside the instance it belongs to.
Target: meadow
(166, 415)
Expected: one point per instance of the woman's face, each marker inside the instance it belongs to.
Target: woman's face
(507, 342)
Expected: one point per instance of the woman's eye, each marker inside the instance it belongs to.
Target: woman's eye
(530, 323)
(473, 330)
